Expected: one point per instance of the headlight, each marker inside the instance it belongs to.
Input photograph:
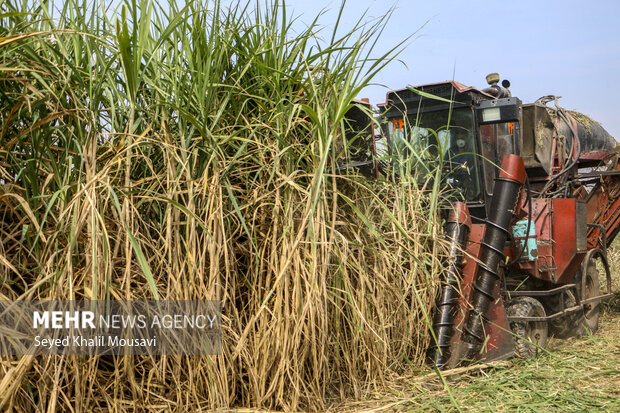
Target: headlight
(491, 115)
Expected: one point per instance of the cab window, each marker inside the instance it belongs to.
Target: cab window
(497, 140)
(428, 138)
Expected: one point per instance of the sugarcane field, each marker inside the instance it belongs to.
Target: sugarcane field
(286, 206)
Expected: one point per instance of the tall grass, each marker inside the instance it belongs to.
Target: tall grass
(189, 153)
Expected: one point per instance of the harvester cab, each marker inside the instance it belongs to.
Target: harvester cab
(534, 201)
(469, 129)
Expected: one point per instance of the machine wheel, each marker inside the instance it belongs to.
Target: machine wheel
(566, 326)
(588, 286)
(529, 335)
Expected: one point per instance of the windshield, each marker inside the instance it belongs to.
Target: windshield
(420, 143)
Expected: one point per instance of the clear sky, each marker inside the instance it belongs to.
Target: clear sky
(545, 47)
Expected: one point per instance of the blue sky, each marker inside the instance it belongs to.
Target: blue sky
(565, 48)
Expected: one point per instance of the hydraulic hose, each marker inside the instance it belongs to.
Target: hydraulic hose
(568, 120)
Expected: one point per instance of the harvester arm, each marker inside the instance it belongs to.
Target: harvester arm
(503, 207)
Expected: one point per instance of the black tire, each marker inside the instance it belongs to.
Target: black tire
(568, 325)
(584, 321)
(588, 288)
(529, 336)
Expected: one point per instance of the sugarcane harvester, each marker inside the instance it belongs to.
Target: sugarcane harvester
(533, 203)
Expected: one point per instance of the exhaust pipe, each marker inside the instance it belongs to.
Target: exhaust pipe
(503, 207)
(457, 231)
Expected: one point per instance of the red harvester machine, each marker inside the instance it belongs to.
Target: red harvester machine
(535, 203)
